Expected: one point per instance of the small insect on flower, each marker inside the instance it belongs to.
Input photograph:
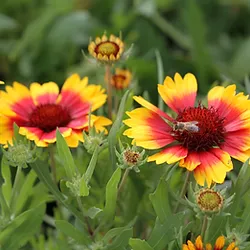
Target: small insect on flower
(186, 126)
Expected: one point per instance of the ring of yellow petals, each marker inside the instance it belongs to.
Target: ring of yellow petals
(219, 245)
(106, 49)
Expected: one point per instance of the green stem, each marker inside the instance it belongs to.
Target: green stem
(4, 206)
(204, 226)
(160, 73)
(53, 162)
(181, 39)
(183, 190)
(123, 181)
(109, 90)
(15, 189)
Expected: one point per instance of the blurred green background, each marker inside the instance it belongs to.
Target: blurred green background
(41, 40)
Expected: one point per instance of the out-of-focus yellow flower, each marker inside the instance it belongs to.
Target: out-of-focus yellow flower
(219, 245)
(121, 79)
(1, 82)
(106, 49)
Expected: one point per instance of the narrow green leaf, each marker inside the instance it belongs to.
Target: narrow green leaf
(162, 234)
(84, 189)
(139, 244)
(65, 155)
(114, 232)
(25, 191)
(20, 228)
(160, 201)
(112, 138)
(69, 230)
(240, 186)
(160, 73)
(91, 166)
(43, 174)
(111, 196)
(121, 241)
(7, 185)
(199, 48)
(93, 211)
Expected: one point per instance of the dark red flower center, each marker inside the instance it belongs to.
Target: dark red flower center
(107, 48)
(118, 81)
(48, 117)
(199, 128)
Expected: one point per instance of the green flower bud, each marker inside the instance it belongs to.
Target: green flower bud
(130, 158)
(20, 154)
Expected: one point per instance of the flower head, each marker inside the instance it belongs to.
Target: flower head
(106, 49)
(219, 245)
(41, 109)
(121, 79)
(201, 138)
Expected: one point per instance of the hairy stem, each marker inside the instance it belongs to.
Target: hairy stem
(109, 90)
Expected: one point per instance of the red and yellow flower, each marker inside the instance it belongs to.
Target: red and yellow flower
(41, 109)
(106, 49)
(121, 79)
(219, 245)
(202, 139)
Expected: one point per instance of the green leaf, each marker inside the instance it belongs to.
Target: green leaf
(121, 241)
(111, 196)
(240, 187)
(199, 49)
(162, 234)
(112, 138)
(65, 155)
(139, 244)
(160, 201)
(7, 185)
(20, 228)
(84, 189)
(91, 166)
(93, 211)
(114, 232)
(43, 174)
(69, 230)
(7, 23)
(25, 191)
(239, 64)
(160, 73)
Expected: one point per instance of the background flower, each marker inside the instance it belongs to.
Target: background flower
(201, 138)
(40, 110)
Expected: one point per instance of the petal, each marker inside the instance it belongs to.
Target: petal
(50, 137)
(169, 155)
(209, 246)
(231, 246)
(46, 93)
(234, 108)
(16, 100)
(191, 161)
(76, 94)
(220, 242)
(148, 129)
(185, 247)
(78, 123)
(6, 127)
(214, 166)
(152, 107)
(237, 145)
(33, 134)
(73, 139)
(191, 245)
(100, 123)
(180, 93)
(198, 243)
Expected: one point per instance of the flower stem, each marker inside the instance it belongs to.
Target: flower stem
(109, 90)
(123, 181)
(204, 226)
(53, 163)
(183, 191)
(15, 189)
